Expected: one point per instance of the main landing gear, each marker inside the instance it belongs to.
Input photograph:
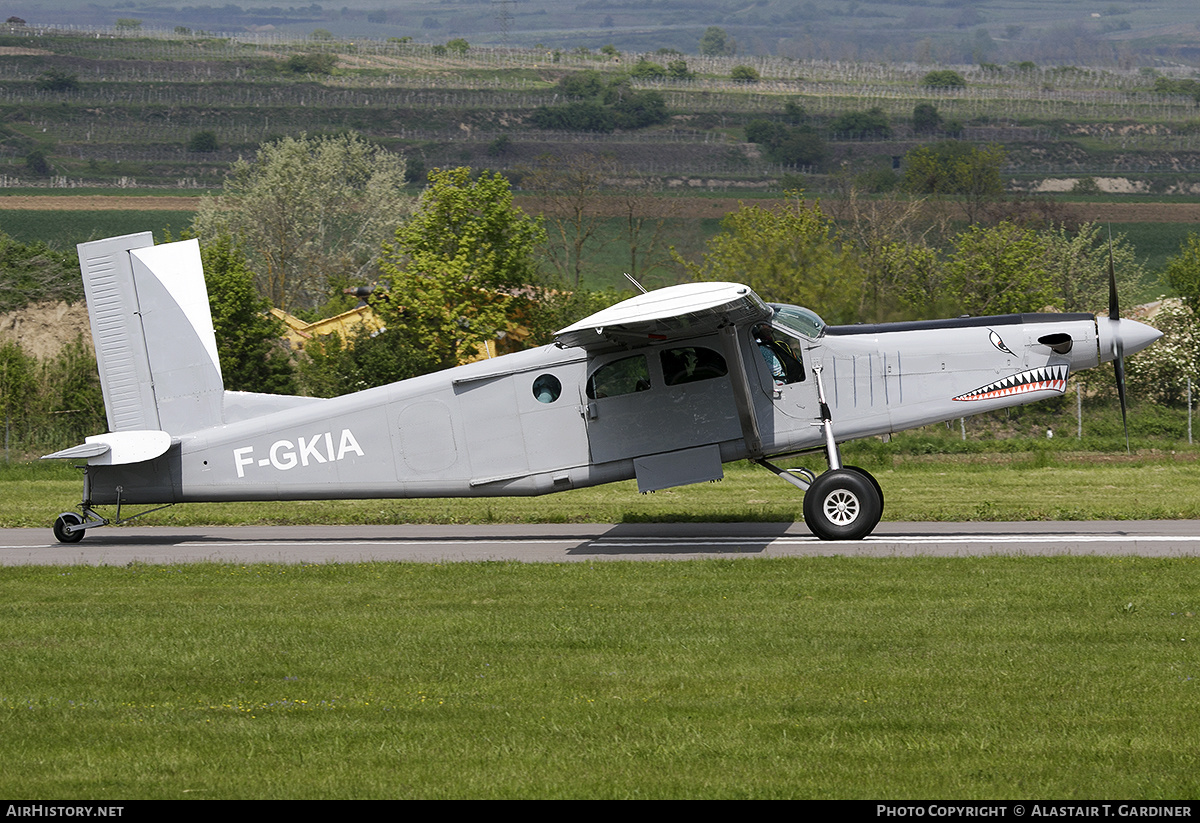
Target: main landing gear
(843, 503)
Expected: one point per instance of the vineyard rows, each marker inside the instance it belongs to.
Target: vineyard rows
(142, 94)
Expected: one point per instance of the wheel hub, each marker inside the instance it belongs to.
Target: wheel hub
(841, 507)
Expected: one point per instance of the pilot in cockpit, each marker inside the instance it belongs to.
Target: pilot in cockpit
(785, 366)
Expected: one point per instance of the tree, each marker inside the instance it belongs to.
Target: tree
(790, 145)
(789, 255)
(999, 270)
(248, 335)
(578, 115)
(583, 84)
(330, 366)
(955, 167)
(647, 70)
(926, 118)
(31, 273)
(714, 42)
(38, 163)
(643, 214)
(600, 106)
(309, 212)
(18, 388)
(57, 80)
(872, 123)
(1160, 374)
(678, 70)
(453, 267)
(637, 109)
(1078, 265)
(569, 189)
(1182, 273)
(890, 238)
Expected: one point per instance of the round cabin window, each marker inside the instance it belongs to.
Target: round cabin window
(547, 388)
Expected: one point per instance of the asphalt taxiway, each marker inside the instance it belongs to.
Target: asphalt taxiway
(574, 543)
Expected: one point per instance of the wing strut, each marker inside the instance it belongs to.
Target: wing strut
(741, 391)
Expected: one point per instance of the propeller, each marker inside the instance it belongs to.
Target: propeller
(1118, 343)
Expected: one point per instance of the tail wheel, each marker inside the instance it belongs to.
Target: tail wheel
(60, 528)
(842, 504)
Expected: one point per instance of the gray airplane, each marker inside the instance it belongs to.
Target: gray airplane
(663, 388)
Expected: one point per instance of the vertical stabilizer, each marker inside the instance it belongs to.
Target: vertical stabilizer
(153, 332)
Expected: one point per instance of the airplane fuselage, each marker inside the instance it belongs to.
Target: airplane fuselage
(551, 418)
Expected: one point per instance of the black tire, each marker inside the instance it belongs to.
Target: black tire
(60, 528)
(842, 504)
(874, 482)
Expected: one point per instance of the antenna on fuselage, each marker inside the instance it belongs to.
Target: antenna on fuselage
(640, 287)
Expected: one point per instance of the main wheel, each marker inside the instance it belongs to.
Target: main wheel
(60, 528)
(842, 504)
(874, 482)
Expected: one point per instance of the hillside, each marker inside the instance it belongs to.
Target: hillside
(136, 109)
(1052, 32)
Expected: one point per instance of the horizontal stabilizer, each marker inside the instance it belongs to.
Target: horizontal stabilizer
(117, 448)
(79, 452)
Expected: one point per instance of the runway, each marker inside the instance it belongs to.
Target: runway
(574, 543)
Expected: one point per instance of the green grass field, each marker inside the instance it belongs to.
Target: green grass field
(999, 677)
(65, 229)
(1035, 484)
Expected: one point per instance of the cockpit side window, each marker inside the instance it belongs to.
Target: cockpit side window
(781, 352)
(689, 364)
(624, 376)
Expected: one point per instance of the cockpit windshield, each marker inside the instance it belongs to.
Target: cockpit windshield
(798, 320)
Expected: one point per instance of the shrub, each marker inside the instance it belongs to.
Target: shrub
(944, 79)
(312, 63)
(678, 70)
(926, 118)
(744, 74)
(37, 163)
(857, 124)
(57, 80)
(648, 70)
(581, 115)
(203, 141)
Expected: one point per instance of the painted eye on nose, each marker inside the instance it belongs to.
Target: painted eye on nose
(998, 343)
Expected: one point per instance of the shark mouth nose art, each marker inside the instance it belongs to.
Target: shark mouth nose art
(1047, 378)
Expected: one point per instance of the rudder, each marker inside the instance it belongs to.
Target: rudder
(153, 333)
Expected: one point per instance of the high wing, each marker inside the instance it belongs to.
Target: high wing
(676, 312)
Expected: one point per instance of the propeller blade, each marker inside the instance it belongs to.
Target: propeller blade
(1118, 345)
(1114, 312)
(1119, 365)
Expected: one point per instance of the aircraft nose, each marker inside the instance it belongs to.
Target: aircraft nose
(1136, 336)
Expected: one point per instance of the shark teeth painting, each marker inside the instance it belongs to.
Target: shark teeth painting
(1048, 378)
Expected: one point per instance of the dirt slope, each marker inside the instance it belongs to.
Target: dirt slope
(44, 328)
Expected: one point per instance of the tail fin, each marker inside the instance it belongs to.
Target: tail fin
(153, 333)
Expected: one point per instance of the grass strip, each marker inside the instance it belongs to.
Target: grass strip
(1037, 485)
(996, 677)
